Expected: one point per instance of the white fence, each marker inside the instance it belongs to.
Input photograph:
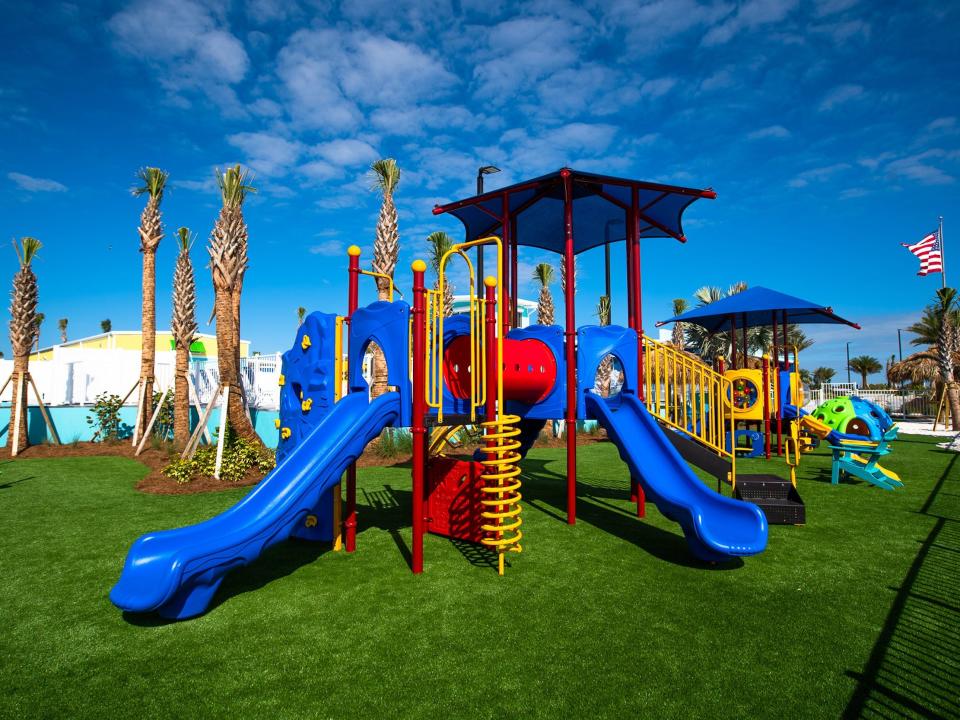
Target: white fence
(76, 378)
(895, 402)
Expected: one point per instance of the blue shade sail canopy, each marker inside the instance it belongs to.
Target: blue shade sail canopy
(756, 307)
(600, 205)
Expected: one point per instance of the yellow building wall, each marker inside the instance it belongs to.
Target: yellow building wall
(203, 346)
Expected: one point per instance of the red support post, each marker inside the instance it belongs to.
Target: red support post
(570, 336)
(350, 514)
(418, 429)
(766, 406)
(505, 264)
(637, 289)
(629, 249)
(733, 343)
(514, 285)
(746, 346)
(776, 383)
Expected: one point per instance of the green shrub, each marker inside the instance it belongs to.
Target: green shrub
(239, 456)
(395, 443)
(105, 418)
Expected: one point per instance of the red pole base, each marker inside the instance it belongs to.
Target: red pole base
(350, 521)
(641, 498)
(571, 471)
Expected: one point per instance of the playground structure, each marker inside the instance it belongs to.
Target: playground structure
(767, 399)
(478, 369)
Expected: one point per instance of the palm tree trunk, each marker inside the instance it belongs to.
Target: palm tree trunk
(953, 400)
(379, 385)
(863, 381)
(19, 384)
(229, 368)
(181, 396)
(148, 329)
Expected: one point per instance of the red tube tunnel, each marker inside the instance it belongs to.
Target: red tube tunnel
(529, 369)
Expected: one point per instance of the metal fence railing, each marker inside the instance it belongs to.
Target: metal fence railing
(896, 402)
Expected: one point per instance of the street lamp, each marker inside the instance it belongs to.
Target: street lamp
(848, 363)
(899, 345)
(481, 171)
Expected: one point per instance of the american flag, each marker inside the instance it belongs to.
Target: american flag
(930, 252)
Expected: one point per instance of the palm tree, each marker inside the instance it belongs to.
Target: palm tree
(948, 344)
(823, 375)
(301, 315)
(939, 327)
(704, 344)
(563, 276)
(865, 365)
(23, 332)
(679, 307)
(543, 274)
(62, 326)
(153, 182)
(386, 251)
(228, 262)
(605, 369)
(184, 327)
(106, 326)
(40, 318)
(440, 243)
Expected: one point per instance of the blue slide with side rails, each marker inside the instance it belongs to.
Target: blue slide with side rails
(176, 572)
(717, 528)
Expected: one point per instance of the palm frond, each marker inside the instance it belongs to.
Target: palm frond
(234, 183)
(26, 249)
(185, 239)
(153, 181)
(440, 244)
(385, 175)
(543, 274)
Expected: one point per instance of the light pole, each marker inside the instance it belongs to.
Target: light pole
(899, 345)
(848, 363)
(481, 171)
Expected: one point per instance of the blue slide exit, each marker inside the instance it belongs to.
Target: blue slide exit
(717, 528)
(176, 572)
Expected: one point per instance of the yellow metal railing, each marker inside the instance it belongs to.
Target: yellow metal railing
(688, 395)
(383, 276)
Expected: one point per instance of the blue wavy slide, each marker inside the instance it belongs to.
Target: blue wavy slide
(717, 528)
(176, 572)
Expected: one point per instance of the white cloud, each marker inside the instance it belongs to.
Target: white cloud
(918, 168)
(347, 152)
(190, 45)
(831, 7)
(265, 153)
(657, 87)
(840, 95)
(817, 174)
(772, 131)
(327, 75)
(749, 16)
(330, 247)
(35, 184)
(522, 51)
(651, 25)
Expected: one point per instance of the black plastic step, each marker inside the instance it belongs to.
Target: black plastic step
(778, 498)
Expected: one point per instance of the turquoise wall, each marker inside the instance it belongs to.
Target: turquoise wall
(71, 424)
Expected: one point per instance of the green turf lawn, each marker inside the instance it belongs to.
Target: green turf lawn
(854, 613)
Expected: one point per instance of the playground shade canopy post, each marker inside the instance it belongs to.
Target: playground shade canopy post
(754, 307)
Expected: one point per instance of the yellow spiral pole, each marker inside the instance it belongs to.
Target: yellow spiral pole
(501, 474)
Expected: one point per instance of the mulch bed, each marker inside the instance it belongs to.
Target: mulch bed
(158, 458)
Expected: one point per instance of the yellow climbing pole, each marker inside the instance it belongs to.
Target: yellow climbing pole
(501, 490)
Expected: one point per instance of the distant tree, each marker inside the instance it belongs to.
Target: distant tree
(823, 375)
(301, 315)
(40, 318)
(440, 244)
(106, 326)
(866, 365)
(678, 337)
(386, 252)
(62, 326)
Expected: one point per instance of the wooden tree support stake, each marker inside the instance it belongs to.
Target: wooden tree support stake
(136, 422)
(153, 420)
(222, 438)
(194, 441)
(20, 387)
(198, 406)
(43, 410)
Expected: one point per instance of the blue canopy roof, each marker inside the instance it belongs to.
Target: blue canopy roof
(755, 307)
(600, 205)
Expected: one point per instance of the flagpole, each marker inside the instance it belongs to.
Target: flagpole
(943, 256)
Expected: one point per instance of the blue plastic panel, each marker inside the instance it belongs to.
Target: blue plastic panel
(594, 343)
(552, 406)
(388, 325)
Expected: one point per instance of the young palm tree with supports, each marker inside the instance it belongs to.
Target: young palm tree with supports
(543, 274)
(23, 333)
(62, 327)
(386, 251)
(184, 327)
(228, 262)
(440, 243)
(153, 182)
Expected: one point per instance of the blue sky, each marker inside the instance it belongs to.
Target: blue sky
(829, 129)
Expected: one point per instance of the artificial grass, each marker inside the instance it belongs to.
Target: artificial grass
(854, 613)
